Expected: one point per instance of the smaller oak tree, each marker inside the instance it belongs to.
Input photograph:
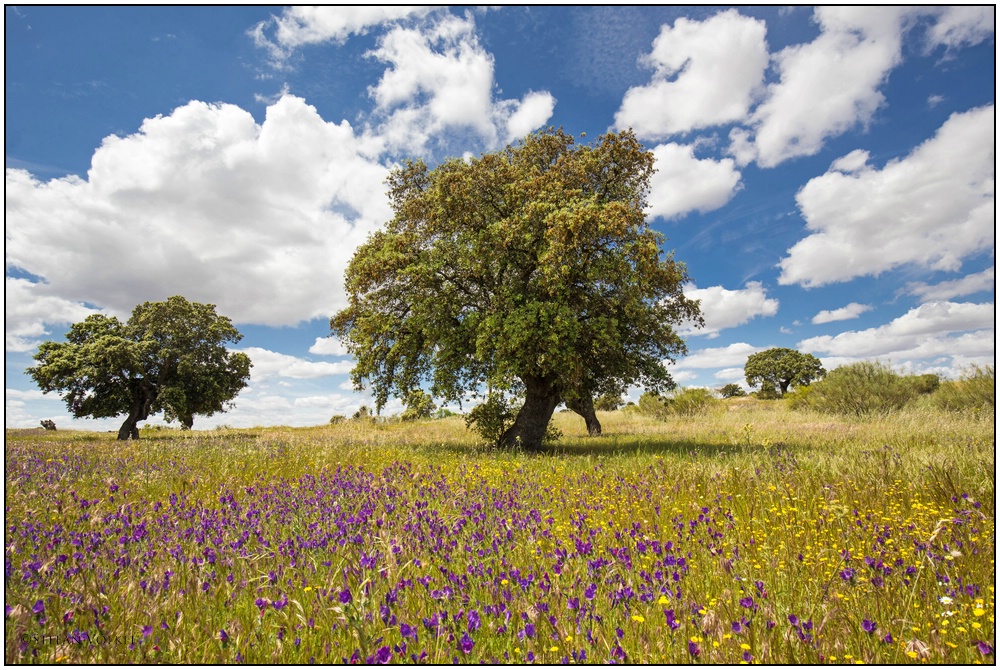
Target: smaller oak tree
(169, 356)
(775, 370)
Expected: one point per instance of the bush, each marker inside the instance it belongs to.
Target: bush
(607, 403)
(859, 389)
(653, 404)
(495, 415)
(690, 402)
(976, 390)
(337, 418)
(924, 384)
(363, 414)
(419, 405)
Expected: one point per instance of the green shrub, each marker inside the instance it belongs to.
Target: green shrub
(976, 390)
(691, 402)
(419, 405)
(607, 403)
(801, 397)
(860, 389)
(924, 384)
(653, 404)
(337, 418)
(495, 415)
(363, 414)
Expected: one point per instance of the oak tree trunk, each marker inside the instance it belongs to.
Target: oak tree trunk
(141, 405)
(540, 401)
(584, 406)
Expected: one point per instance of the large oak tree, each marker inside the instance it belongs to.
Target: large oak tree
(530, 270)
(169, 356)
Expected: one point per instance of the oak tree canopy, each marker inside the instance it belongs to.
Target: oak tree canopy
(530, 270)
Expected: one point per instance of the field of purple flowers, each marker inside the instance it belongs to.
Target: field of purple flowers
(708, 541)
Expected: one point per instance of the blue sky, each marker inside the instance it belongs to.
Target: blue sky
(826, 175)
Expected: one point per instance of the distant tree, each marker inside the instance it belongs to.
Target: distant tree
(419, 405)
(732, 391)
(775, 370)
(530, 271)
(337, 418)
(608, 403)
(363, 414)
(169, 356)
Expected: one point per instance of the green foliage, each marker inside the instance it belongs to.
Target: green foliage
(692, 402)
(608, 403)
(419, 405)
(859, 389)
(530, 269)
(653, 404)
(491, 418)
(976, 390)
(169, 356)
(337, 418)
(364, 413)
(732, 391)
(924, 384)
(776, 370)
(443, 413)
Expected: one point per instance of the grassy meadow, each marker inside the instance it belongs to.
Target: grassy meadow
(750, 534)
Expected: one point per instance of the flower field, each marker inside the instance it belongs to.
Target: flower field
(753, 535)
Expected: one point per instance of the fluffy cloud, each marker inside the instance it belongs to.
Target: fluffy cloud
(831, 85)
(299, 26)
(733, 355)
(705, 74)
(961, 26)
(439, 77)
(270, 364)
(850, 311)
(28, 312)
(260, 220)
(683, 183)
(828, 85)
(946, 290)
(930, 330)
(722, 308)
(932, 208)
(328, 346)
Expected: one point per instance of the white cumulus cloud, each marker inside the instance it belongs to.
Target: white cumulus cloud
(932, 208)
(946, 290)
(849, 311)
(260, 220)
(932, 329)
(440, 78)
(302, 25)
(733, 355)
(723, 308)
(684, 183)
(705, 73)
(829, 85)
(270, 364)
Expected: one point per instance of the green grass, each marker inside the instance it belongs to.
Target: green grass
(399, 513)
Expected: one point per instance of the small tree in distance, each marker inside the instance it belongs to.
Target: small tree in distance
(732, 391)
(777, 369)
(169, 356)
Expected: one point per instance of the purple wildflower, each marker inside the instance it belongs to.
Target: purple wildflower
(590, 591)
(868, 626)
(466, 644)
(408, 631)
(382, 655)
(984, 648)
(693, 649)
(847, 574)
(345, 596)
(223, 635)
(671, 619)
(792, 619)
(38, 607)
